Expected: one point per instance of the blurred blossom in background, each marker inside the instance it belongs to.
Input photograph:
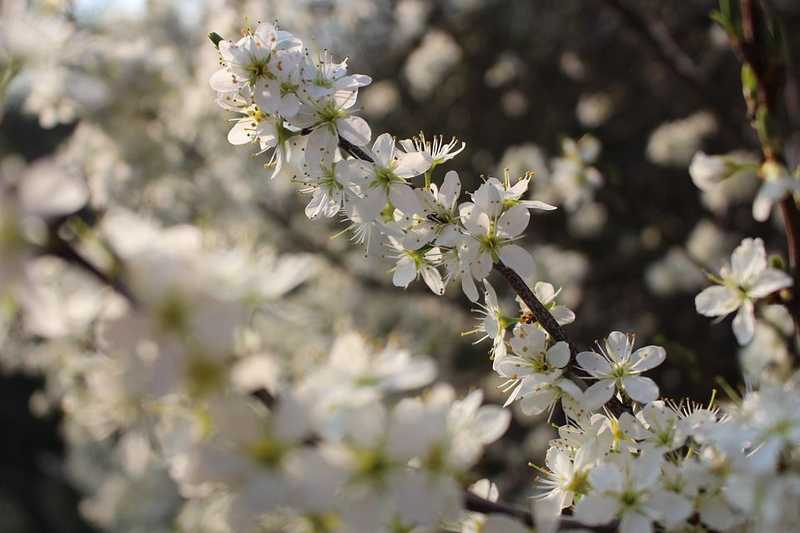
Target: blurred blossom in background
(111, 101)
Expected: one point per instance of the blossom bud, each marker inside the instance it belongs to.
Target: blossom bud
(215, 38)
(708, 170)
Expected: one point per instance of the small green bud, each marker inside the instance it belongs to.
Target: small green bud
(215, 38)
(776, 261)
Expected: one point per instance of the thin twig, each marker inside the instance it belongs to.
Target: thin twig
(58, 247)
(656, 34)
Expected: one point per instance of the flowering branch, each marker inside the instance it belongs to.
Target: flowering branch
(540, 312)
(758, 43)
(515, 281)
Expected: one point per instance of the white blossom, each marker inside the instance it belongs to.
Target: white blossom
(618, 366)
(747, 279)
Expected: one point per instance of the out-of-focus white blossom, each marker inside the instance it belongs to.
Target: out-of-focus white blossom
(747, 279)
(674, 143)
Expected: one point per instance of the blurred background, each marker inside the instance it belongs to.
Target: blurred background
(117, 92)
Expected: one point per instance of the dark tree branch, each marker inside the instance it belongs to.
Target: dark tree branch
(354, 150)
(540, 312)
(58, 247)
(658, 37)
(476, 504)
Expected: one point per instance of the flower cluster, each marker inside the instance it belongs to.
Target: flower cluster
(679, 465)
(301, 111)
(226, 398)
(651, 462)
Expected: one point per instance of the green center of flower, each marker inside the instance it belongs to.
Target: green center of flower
(385, 177)
(579, 484)
(322, 81)
(619, 371)
(629, 498)
(288, 88)
(267, 451)
(204, 375)
(435, 461)
(665, 437)
(372, 465)
(259, 69)
(330, 113)
(366, 381)
(323, 522)
(172, 313)
(10, 235)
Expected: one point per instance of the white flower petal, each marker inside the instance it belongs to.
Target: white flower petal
(598, 394)
(641, 389)
(475, 221)
(536, 204)
(538, 401)
(563, 315)
(748, 260)
(518, 259)
(635, 522)
(481, 267)
(353, 171)
(716, 513)
(451, 189)
(618, 345)
(606, 477)
(320, 150)
(512, 367)
(404, 199)
(513, 222)
(383, 150)
(487, 198)
(469, 288)
(371, 204)
(404, 272)
(558, 354)
(769, 281)
(490, 423)
(544, 291)
(241, 132)
(594, 363)
(648, 357)
(595, 509)
(744, 323)
(433, 278)
(671, 508)
(411, 164)
(354, 129)
(223, 81)
(717, 301)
